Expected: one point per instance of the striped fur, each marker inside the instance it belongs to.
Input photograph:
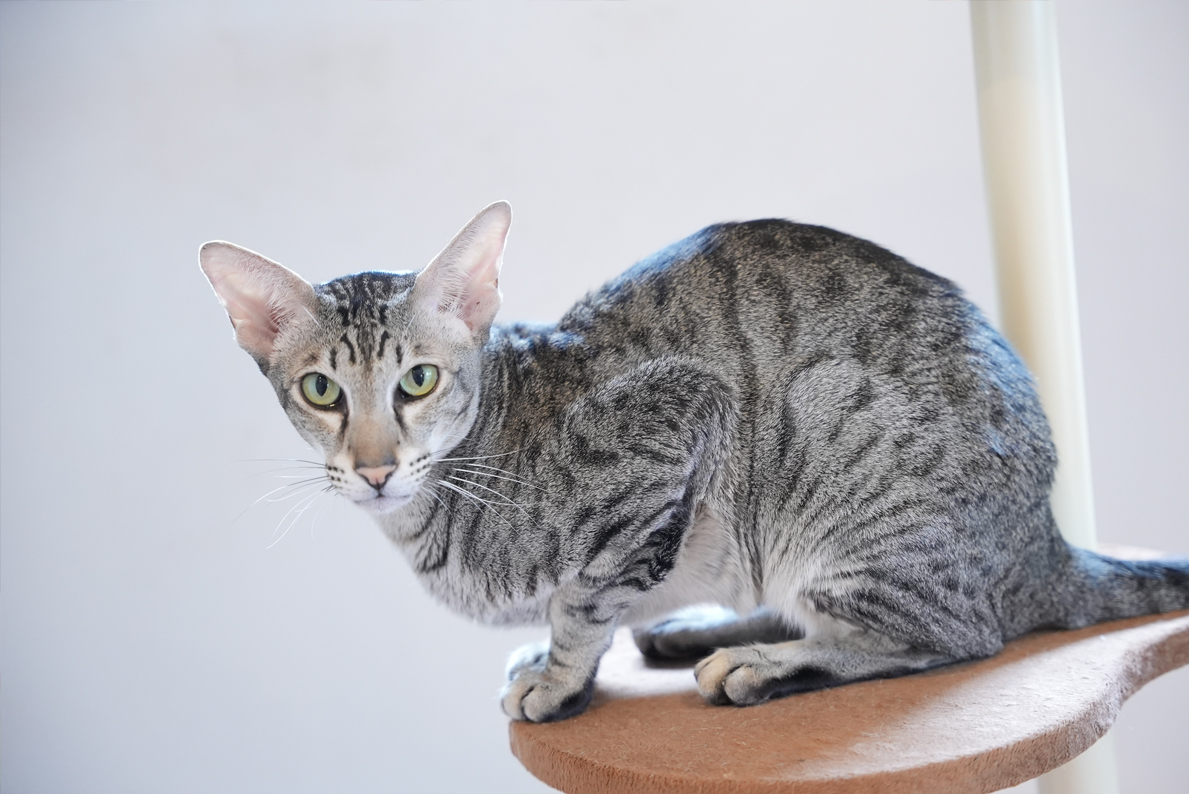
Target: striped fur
(779, 419)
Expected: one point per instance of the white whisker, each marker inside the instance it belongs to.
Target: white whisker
(506, 501)
(475, 498)
(287, 468)
(279, 460)
(481, 457)
(301, 506)
(470, 470)
(430, 490)
(303, 491)
(261, 499)
(270, 493)
(314, 521)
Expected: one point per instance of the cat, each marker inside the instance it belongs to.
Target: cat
(828, 443)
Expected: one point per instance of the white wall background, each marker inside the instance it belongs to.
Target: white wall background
(153, 639)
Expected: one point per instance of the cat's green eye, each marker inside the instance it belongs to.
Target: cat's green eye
(320, 390)
(420, 380)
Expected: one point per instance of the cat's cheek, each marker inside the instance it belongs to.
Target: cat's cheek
(319, 438)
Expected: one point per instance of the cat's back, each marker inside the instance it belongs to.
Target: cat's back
(769, 284)
(785, 313)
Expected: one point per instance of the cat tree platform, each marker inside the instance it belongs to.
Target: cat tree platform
(965, 729)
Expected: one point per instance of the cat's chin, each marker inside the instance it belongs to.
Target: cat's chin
(382, 505)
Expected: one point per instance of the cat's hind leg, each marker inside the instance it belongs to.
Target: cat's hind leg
(696, 632)
(752, 674)
(880, 627)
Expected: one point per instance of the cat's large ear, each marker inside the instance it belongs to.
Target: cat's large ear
(463, 280)
(260, 296)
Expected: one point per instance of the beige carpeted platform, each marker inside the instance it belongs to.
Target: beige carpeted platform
(974, 727)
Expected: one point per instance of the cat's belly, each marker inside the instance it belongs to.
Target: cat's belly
(709, 570)
(529, 612)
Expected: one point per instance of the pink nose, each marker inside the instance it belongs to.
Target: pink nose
(376, 476)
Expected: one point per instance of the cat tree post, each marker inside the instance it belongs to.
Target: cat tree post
(1023, 143)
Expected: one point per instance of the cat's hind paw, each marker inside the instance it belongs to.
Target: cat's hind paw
(728, 676)
(752, 674)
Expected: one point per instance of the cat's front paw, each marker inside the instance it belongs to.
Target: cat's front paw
(687, 635)
(538, 692)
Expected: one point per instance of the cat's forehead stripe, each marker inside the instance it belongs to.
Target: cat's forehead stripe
(367, 293)
(363, 302)
(346, 341)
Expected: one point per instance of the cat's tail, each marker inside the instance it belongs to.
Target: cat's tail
(1104, 588)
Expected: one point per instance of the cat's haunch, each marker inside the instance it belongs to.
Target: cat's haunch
(831, 445)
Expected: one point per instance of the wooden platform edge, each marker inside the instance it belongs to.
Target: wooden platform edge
(974, 774)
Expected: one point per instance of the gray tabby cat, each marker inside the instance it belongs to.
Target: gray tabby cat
(831, 444)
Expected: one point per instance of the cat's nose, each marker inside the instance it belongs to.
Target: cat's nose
(376, 476)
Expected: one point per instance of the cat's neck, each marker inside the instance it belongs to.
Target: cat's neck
(520, 395)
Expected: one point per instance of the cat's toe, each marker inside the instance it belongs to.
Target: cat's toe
(711, 674)
(513, 693)
(747, 685)
(733, 676)
(536, 696)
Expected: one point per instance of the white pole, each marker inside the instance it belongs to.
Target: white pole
(1023, 143)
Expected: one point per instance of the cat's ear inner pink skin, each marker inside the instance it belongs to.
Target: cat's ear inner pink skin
(260, 296)
(463, 280)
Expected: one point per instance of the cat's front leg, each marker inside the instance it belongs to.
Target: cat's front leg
(554, 680)
(646, 445)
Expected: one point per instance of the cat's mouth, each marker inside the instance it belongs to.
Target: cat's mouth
(381, 504)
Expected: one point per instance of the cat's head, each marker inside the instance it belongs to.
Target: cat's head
(381, 371)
